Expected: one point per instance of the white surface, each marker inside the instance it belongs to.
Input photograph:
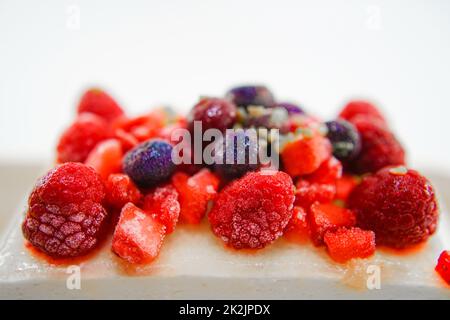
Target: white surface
(194, 264)
(318, 53)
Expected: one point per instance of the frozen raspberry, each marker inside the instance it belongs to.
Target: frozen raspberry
(163, 204)
(99, 102)
(106, 158)
(242, 149)
(379, 147)
(305, 155)
(195, 193)
(325, 217)
(138, 236)
(344, 138)
(359, 107)
(328, 172)
(251, 96)
(81, 137)
(253, 211)
(349, 243)
(65, 217)
(306, 192)
(443, 266)
(120, 190)
(399, 205)
(149, 163)
(214, 113)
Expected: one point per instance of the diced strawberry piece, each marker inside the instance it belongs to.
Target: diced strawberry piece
(194, 194)
(163, 204)
(106, 158)
(305, 155)
(328, 172)
(127, 140)
(298, 225)
(345, 185)
(146, 126)
(120, 190)
(443, 266)
(307, 193)
(99, 102)
(325, 217)
(344, 244)
(138, 236)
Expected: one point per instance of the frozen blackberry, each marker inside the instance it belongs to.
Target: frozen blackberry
(149, 163)
(345, 139)
(239, 154)
(214, 113)
(245, 96)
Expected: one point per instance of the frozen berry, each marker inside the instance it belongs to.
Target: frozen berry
(253, 211)
(106, 157)
(325, 217)
(214, 113)
(344, 138)
(195, 193)
(138, 236)
(298, 225)
(379, 147)
(127, 140)
(305, 155)
(443, 266)
(290, 108)
(238, 154)
(398, 205)
(251, 96)
(99, 102)
(65, 217)
(149, 163)
(360, 107)
(349, 243)
(163, 204)
(328, 172)
(306, 192)
(345, 185)
(144, 127)
(120, 190)
(81, 137)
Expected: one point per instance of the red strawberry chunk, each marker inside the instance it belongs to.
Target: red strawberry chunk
(163, 204)
(307, 193)
(99, 102)
(344, 244)
(127, 140)
(443, 266)
(325, 217)
(106, 158)
(195, 192)
(120, 190)
(328, 172)
(305, 155)
(359, 107)
(138, 236)
(345, 185)
(298, 224)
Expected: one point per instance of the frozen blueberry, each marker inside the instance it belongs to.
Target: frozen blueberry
(251, 95)
(149, 163)
(345, 139)
(239, 154)
(214, 113)
(290, 108)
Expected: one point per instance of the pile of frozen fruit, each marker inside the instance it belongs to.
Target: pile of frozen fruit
(343, 184)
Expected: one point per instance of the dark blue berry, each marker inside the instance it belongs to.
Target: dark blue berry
(251, 95)
(290, 108)
(345, 139)
(149, 163)
(242, 150)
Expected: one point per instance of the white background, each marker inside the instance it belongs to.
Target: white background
(317, 53)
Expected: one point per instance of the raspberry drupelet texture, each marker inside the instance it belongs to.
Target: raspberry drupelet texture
(253, 211)
(379, 147)
(399, 205)
(81, 137)
(102, 104)
(65, 216)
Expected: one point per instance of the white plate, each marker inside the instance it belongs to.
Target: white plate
(193, 264)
